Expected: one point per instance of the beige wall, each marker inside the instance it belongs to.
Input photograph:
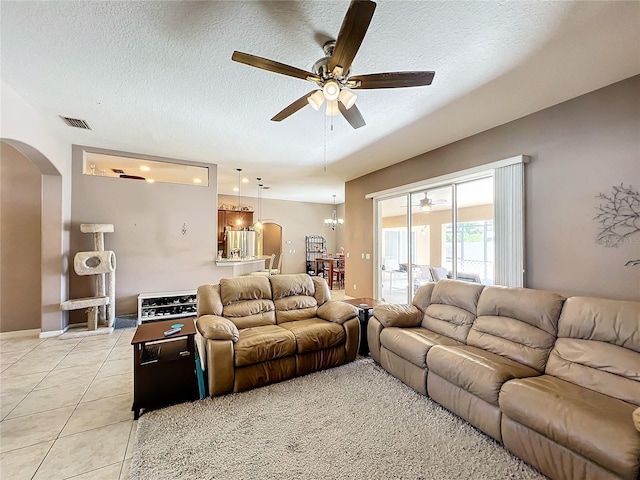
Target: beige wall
(297, 219)
(20, 233)
(578, 149)
(152, 253)
(43, 143)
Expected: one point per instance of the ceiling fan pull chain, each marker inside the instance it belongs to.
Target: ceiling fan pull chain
(324, 165)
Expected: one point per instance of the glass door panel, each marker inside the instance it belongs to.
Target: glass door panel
(430, 209)
(474, 232)
(393, 250)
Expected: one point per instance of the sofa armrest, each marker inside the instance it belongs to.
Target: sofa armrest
(214, 327)
(337, 312)
(396, 315)
(636, 418)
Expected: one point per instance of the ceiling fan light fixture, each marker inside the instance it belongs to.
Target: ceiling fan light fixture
(331, 90)
(347, 98)
(332, 108)
(425, 205)
(316, 99)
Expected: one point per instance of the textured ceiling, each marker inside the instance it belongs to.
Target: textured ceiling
(157, 77)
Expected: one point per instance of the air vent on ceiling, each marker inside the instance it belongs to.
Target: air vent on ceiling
(76, 122)
(117, 170)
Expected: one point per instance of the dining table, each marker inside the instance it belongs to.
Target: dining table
(330, 263)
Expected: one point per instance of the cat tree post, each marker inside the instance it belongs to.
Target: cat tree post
(98, 230)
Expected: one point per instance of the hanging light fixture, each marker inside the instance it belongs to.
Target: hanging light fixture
(260, 185)
(425, 204)
(334, 220)
(239, 220)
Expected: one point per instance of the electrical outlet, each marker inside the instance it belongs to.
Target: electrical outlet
(363, 256)
(347, 254)
(354, 286)
(368, 256)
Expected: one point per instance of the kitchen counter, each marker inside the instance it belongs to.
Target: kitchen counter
(242, 266)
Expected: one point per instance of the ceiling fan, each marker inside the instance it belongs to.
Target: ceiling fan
(332, 73)
(427, 203)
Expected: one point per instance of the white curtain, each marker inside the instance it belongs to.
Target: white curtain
(509, 225)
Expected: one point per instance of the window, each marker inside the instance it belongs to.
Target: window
(467, 226)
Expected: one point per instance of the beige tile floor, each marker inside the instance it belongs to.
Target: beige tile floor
(65, 407)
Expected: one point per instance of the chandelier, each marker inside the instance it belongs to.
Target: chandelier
(334, 220)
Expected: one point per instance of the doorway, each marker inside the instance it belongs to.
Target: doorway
(272, 240)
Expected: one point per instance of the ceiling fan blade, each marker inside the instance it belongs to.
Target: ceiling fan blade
(292, 108)
(272, 66)
(352, 115)
(352, 32)
(393, 79)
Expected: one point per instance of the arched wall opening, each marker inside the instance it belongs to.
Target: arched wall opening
(32, 273)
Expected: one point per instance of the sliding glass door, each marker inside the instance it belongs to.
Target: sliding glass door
(435, 233)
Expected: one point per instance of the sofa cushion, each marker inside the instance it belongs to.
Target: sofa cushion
(518, 323)
(261, 344)
(236, 289)
(217, 328)
(251, 313)
(422, 298)
(598, 347)
(475, 370)
(452, 310)
(314, 334)
(337, 312)
(412, 344)
(397, 315)
(208, 300)
(321, 290)
(459, 294)
(594, 425)
(290, 285)
(296, 307)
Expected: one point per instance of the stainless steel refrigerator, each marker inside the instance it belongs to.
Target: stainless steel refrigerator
(243, 241)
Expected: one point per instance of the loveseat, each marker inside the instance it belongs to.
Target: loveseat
(254, 330)
(556, 380)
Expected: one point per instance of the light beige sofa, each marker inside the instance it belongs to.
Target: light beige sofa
(253, 330)
(556, 381)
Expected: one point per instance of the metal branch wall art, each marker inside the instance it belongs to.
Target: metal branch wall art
(619, 217)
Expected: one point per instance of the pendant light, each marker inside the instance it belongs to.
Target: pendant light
(239, 220)
(258, 224)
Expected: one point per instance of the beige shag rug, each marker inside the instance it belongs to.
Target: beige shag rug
(351, 422)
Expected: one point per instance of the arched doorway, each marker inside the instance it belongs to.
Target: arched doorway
(38, 278)
(272, 239)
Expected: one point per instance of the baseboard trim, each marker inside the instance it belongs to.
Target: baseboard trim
(52, 333)
(20, 333)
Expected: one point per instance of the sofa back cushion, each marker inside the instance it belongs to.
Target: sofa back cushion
(289, 285)
(236, 289)
(517, 323)
(452, 309)
(209, 301)
(321, 290)
(598, 347)
(246, 301)
(294, 297)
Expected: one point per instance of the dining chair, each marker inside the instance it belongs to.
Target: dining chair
(278, 269)
(267, 271)
(338, 272)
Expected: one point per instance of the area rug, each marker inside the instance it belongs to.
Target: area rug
(351, 422)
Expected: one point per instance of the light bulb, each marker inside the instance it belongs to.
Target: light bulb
(347, 98)
(316, 99)
(332, 108)
(331, 90)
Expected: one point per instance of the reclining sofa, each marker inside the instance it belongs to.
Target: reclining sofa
(255, 330)
(556, 380)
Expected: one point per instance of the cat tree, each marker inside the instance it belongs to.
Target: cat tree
(101, 265)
